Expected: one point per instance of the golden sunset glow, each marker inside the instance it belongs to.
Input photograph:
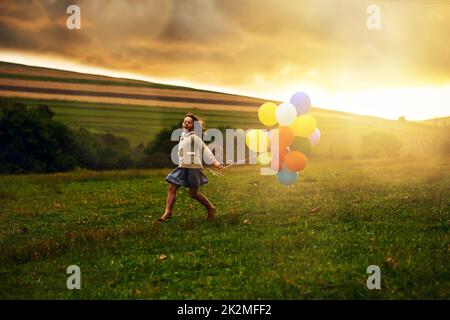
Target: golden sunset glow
(268, 49)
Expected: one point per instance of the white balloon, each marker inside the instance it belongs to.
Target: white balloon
(286, 114)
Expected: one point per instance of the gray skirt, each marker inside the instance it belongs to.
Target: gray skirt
(189, 178)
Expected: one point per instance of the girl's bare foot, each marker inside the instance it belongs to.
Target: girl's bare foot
(211, 213)
(166, 216)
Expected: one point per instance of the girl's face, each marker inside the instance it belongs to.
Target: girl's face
(188, 124)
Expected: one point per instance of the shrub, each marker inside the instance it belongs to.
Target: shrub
(103, 151)
(31, 141)
(157, 153)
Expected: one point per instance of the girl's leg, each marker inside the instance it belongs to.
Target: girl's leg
(193, 192)
(171, 197)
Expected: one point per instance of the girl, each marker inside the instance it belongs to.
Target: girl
(188, 174)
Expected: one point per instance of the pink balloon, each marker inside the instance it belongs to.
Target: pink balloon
(315, 137)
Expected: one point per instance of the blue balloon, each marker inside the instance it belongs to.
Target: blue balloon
(286, 176)
(301, 102)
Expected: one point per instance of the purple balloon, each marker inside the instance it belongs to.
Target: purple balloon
(301, 102)
(315, 137)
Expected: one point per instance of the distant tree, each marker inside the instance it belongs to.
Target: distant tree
(402, 119)
(31, 141)
(116, 151)
(157, 153)
(45, 111)
(87, 149)
(103, 151)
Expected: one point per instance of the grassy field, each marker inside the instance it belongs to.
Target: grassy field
(311, 240)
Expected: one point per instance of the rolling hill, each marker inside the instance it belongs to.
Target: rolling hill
(137, 109)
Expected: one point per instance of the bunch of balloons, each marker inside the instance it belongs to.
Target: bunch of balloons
(292, 133)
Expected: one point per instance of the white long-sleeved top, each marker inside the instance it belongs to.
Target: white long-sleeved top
(192, 150)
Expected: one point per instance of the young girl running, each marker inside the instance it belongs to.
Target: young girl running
(191, 150)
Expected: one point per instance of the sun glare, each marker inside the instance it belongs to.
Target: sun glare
(418, 103)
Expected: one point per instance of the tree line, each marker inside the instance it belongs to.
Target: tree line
(32, 141)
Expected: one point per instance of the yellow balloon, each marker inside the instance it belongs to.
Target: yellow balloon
(257, 140)
(264, 158)
(266, 114)
(304, 126)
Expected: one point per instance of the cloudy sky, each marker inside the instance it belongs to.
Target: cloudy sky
(264, 48)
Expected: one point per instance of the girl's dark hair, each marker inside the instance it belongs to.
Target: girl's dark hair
(196, 118)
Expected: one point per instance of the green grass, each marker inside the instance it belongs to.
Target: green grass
(105, 222)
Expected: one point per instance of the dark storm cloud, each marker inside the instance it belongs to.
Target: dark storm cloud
(230, 42)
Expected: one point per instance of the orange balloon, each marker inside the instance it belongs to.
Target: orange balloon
(277, 162)
(285, 137)
(295, 161)
(282, 154)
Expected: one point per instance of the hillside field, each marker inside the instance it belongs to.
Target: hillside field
(137, 110)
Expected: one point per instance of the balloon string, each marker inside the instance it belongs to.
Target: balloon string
(240, 161)
(218, 174)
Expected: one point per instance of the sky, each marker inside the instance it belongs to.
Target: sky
(263, 48)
